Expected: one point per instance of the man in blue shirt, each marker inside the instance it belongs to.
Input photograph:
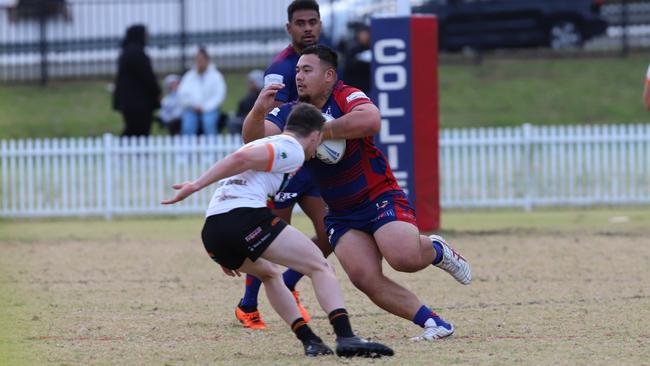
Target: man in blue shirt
(304, 27)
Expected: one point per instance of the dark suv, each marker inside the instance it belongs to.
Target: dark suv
(489, 24)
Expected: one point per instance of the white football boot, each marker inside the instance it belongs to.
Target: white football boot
(452, 262)
(434, 331)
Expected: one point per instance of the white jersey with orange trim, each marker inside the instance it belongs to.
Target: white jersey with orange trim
(252, 188)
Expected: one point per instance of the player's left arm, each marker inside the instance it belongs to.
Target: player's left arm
(257, 157)
(362, 120)
(255, 125)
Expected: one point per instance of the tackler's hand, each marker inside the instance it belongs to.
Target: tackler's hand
(184, 190)
(230, 272)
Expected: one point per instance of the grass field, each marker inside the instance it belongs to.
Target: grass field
(561, 287)
(74, 108)
(498, 92)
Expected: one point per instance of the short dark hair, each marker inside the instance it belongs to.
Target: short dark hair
(304, 119)
(302, 5)
(203, 51)
(324, 53)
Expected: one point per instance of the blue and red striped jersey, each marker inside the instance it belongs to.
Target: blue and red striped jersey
(362, 174)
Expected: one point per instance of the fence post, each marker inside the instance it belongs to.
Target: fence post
(108, 176)
(625, 20)
(183, 32)
(528, 172)
(42, 22)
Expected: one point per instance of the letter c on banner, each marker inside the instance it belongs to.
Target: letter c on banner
(382, 45)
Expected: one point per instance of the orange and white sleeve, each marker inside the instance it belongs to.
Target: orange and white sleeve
(269, 164)
(284, 157)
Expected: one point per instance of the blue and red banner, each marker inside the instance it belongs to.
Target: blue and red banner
(405, 88)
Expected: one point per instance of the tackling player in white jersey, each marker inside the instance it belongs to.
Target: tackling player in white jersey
(242, 235)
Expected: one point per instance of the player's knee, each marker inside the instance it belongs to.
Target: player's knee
(268, 273)
(364, 280)
(404, 263)
(318, 265)
(324, 245)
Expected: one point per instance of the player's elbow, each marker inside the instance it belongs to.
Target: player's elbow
(373, 121)
(367, 130)
(240, 159)
(374, 126)
(246, 136)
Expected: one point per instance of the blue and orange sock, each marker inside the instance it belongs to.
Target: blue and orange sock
(248, 303)
(425, 314)
(438, 248)
(291, 278)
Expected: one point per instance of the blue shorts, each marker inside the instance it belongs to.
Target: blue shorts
(388, 207)
(300, 185)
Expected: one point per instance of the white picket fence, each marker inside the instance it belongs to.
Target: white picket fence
(545, 166)
(105, 176)
(524, 167)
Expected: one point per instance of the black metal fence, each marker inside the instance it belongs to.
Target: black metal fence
(79, 38)
(54, 39)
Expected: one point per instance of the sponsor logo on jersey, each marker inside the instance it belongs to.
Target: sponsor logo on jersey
(275, 111)
(356, 95)
(283, 155)
(228, 182)
(285, 196)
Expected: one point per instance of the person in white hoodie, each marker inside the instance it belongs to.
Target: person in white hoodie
(201, 92)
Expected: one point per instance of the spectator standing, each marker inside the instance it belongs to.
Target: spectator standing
(137, 93)
(358, 59)
(255, 85)
(171, 109)
(646, 90)
(201, 92)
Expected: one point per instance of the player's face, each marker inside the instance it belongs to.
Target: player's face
(313, 78)
(314, 141)
(304, 28)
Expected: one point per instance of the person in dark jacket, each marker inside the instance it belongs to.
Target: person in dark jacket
(137, 93)
(358, 59)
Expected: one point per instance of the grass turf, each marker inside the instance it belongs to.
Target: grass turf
(497, 92)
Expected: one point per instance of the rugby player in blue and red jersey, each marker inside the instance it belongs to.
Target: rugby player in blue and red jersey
(369, 215)
(304, 27)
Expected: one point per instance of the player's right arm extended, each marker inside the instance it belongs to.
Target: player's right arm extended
(255, 127)
(249, 158)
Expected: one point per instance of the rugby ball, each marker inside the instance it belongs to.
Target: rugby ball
(330, 151)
